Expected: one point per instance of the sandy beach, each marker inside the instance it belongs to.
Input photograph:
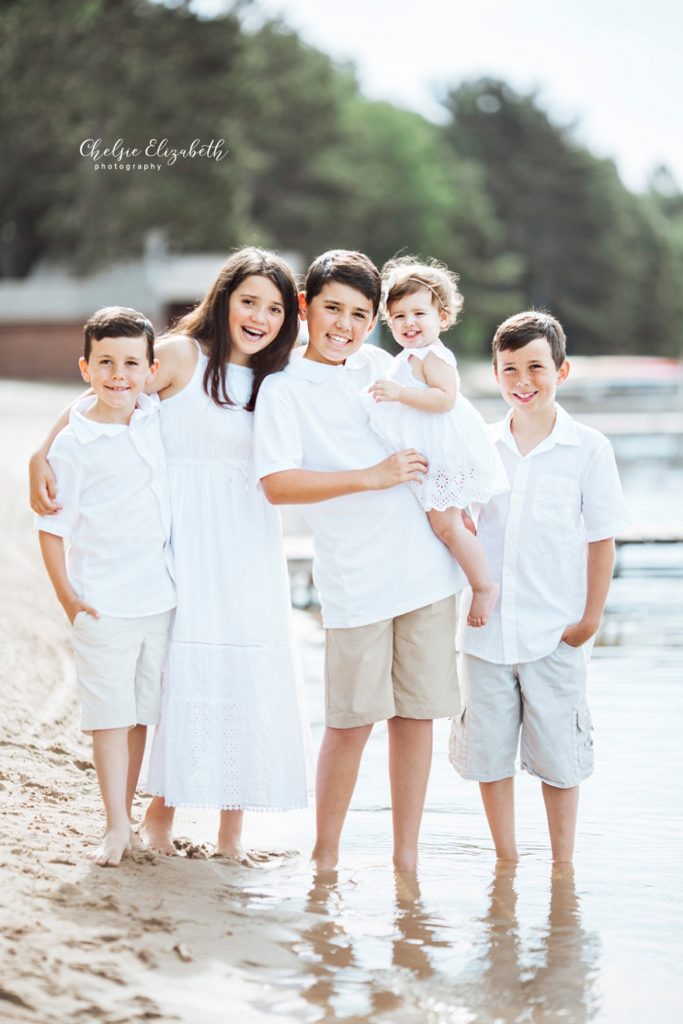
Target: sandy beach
(199, 940)
(150, 941)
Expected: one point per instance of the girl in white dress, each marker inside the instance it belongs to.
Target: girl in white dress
(419, 406)
(232, 734)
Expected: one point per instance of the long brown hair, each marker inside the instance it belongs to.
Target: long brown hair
(208, 323)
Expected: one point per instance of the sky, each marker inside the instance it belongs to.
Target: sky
(612, 67)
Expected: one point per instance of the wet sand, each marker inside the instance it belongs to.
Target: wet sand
(193, 939)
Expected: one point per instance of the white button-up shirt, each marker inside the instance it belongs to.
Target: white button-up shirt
(376, 556)
(115, 516)
(563, 495)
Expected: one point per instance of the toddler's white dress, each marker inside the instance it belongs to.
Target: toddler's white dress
(464, 465)
(232, 733)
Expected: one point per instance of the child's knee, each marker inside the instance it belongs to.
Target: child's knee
(446, 525)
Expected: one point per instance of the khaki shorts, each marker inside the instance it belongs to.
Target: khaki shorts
(545, 699)
(118, 665)
(402, 667)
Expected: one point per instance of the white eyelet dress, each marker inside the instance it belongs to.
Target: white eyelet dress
(232, 733)
(464, 466)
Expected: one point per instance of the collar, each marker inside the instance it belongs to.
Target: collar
(308, 369)
(565, 431)
(86, 430)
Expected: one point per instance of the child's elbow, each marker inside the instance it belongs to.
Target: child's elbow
(273, 490)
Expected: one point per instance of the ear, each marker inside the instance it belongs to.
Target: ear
(83, 367)
(153, 369)
(563, 372)
(444, 317)
(303, 306)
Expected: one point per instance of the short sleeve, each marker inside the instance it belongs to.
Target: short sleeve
(604, 510)
(277, 432)
(68, 489)
(440, 351)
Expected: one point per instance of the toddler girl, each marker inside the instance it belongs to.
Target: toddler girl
(419, 406)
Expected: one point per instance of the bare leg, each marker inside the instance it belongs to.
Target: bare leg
(338, 764)
(499, 803)
(136, 750)
(110, 754)
(468, 552)
(410, 758)
(561, 808)
(156, 830)
(230, 835)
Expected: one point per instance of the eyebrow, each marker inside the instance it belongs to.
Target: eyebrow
(249, 295)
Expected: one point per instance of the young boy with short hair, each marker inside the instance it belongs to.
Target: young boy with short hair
(386, 583)
(549, 541)
(114, 580)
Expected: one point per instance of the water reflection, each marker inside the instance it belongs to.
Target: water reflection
(549, 977)
(538, 976)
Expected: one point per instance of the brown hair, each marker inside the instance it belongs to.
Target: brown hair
(118, 322)
(354, 269)
(208, 323)
(407, 275)
(518, 330)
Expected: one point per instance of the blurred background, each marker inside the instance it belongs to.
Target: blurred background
(535, 152)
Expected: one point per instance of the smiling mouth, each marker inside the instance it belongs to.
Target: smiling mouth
(338, 341)
(110, 387)
(524, 397)
(253, 334)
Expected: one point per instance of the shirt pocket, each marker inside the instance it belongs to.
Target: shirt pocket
(557, 501)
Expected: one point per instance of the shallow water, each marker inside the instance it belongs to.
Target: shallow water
(472, 943)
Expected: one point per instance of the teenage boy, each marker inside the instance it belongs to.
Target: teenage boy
(549, 541)
(113, 580)
(386, 583)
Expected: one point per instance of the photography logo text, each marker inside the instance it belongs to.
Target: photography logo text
(152, 156)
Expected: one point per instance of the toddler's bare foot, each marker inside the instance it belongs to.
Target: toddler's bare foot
(115, 845)
(483, 602)
(157, 835)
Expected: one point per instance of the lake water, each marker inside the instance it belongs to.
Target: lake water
(472, 943)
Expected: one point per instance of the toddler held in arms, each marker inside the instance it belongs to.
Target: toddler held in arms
(419, 406)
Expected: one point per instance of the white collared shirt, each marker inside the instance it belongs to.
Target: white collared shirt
(115, 516)
(375, 554)
(563, 495)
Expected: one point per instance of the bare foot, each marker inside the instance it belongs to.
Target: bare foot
(157, 835)
(234, 851)
(115, 845)
(483, 602)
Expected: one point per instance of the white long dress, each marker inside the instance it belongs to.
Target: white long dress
(232, 733)
(464, 465)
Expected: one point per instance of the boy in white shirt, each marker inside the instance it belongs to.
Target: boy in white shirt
(386, 583)
(114, 581)
(549, 541)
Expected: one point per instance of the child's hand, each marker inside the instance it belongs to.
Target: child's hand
(397, 469)
(72, 608)
(43, 486)
(386, 391)
(579, 632)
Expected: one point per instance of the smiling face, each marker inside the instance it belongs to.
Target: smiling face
(117, 370)
(256, 313)
(528, 377)
(339, 319)
(415, 321)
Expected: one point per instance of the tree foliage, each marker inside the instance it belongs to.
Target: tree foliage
(501, 193)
